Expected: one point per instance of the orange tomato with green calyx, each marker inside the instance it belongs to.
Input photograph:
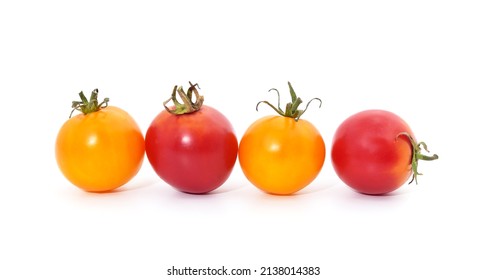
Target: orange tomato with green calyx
(282, 154)
(100, 149)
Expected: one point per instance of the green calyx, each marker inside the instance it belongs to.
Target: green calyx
(90, 106)
(187, 106)
(292, 108)
(417, 155)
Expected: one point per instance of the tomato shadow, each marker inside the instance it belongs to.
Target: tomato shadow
(232, 187)
(403, 191)
(309, 190)
(321, 187)
(354, 199)
(132, 186)
(221, 190)
(303, 193)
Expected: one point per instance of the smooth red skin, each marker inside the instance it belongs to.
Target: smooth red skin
(195, 152)
(367, 155)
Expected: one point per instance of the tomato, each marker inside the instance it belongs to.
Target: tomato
(101, 149)
(375, 152)
(282, 154)
(192, 147)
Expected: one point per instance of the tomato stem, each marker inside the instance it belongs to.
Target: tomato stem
(291, 108)
(187, 106)
(90, 106)
(417, 155)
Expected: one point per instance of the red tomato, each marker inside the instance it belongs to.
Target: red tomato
(195, 151)
(374, 152)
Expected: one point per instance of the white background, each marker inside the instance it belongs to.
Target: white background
(424, 60)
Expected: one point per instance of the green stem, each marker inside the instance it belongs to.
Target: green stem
(292, 108)
(90, 106)
(187, 106)
(417, 155)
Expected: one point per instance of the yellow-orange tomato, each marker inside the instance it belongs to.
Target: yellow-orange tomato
(280, 155)
(100, 151)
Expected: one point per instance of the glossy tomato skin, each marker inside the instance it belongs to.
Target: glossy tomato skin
(100, 151)
(280, 155)
(367, 154)
(195, 152)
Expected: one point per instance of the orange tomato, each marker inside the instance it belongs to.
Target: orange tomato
(280, 154)
(100, 151)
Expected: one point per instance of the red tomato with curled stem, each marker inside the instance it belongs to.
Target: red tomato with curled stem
(191, 146)
(375, 152)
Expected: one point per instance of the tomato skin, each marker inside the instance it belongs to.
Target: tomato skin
(195, 152)
(280, 155)
(100, 151)
(368, 155)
